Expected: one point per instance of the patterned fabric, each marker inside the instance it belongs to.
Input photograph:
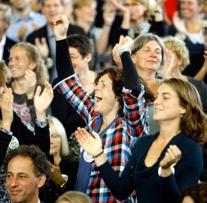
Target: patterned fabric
(118, 139)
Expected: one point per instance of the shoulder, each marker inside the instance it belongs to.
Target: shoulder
(187, 145)
(42, 31)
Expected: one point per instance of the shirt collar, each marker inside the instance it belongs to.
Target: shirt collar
(3, 41)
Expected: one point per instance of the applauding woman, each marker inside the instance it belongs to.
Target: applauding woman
(117, 115)
(164, 164)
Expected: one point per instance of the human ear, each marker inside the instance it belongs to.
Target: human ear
(42, 180)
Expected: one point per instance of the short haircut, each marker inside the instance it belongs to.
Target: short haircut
(39, 159)
(179, 48)
(82, 43)
(141, 40)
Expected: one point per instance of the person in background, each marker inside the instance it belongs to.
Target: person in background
(5, 42)
(74, 197)
(12, 139)
(63, 170)
(44, 38)
(196, 193)
(176, 59)
(27, 171)
(23, 20)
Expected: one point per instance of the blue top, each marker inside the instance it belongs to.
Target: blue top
(149, 186)
(16, 22)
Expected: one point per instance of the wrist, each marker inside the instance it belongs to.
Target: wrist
(99, 154)
(124, 49)
(165, 172)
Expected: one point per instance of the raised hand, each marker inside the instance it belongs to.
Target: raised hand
(56, 175)
(60, 27)
(125, 43)
(170, 64)
(172, 156)
(30, 83)
(91, 143)
(42, 100)
(6, 105)
(41, 44)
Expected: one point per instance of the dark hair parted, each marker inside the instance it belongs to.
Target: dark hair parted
(82, 43)
(116, 75)
(143, 39)
(39, 159)
(193, 122)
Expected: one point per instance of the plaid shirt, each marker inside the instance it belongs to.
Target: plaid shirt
(118, 138)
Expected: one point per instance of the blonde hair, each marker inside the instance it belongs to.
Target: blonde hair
(179, 48)
(33, 55)
(74, 197)
(4, 73)
(57, 127)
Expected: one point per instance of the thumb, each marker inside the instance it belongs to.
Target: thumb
(95, 135)
(38, 90)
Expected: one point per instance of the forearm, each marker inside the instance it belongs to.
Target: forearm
(63, 61)
(131, 79)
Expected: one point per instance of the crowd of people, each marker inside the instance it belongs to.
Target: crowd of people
(103, 101)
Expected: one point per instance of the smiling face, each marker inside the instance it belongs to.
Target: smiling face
(19, 62)
(80, 63)
(167, 105)
(86, 12)
(137, 9)
(149, 56)
(21, 182)
(106, 100)
(51, 9)
(190, 8)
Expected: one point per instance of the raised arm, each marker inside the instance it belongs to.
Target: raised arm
(122, 52)
(63, 60)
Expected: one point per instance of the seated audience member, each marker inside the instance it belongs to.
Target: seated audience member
(74, 197)
(117, 113)
(27, 171)
(196, 194)
(162, 166)
(63, 170)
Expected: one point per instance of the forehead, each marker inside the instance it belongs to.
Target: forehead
(164, 88)
(20, 164)
(105, 78)
(17, 50)
(74, 51)
(152, 44)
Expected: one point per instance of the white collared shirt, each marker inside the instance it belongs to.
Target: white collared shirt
(2, 43)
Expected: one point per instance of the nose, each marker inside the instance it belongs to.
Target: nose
(12, 181)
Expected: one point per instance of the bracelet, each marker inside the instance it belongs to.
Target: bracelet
(98, 154)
